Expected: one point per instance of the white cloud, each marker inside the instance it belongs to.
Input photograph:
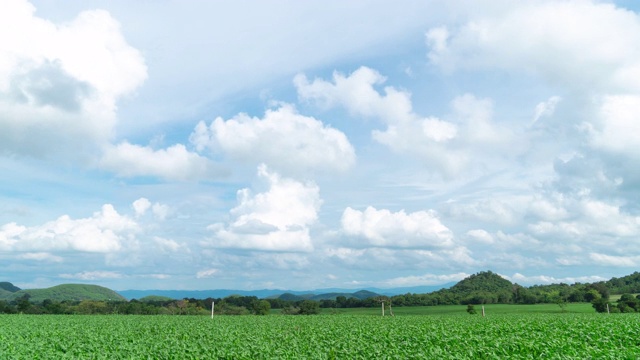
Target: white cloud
(41, 256)
(284, 139)
(173, 163)
(275, 220)
(615, 261)
(357, 94)
(208, 273)
(104, 232)
(424, 280)
(167, 245)
(421, 229)
(142, 205)
(61, 82)
(481, 236)
(557, 40)
(545, 108)
(376, 258)
(544, 279)
(551, 209)
(93, 275)
(503, 210)
(160, 211)
(591, 220)
(617, 129)
(446, 145)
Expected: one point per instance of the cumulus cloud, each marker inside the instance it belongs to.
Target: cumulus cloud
(383, 228)
(278, 219)
(104, 232)
(172, 163)
(447, 145)
(302, 142)
(142, 205)
(617, 128)
(61, 82)
(591, 220)
(553, 39)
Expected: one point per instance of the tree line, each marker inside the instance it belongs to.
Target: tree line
(233, 305)
(481, 288)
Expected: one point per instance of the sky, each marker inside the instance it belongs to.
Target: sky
(318, 144)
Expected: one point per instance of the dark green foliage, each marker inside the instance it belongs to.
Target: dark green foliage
(627, 284)
(309, 307)
(155, 299)
(628, 303)
(471, 310)
(9, 287)
(601, 305)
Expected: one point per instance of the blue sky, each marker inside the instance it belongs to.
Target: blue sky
(302, 145)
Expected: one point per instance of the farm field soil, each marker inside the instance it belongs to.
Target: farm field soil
(514, 336)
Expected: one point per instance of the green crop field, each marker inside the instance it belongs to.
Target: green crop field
(452, 336)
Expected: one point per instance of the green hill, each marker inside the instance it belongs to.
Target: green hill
(7, 286)
(72, 292)
(485, 287)
(364, 294)
(484, 281)
(4, 294)
(293, 297)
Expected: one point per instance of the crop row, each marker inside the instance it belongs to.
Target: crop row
(524, 336)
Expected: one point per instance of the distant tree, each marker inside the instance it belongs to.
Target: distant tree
(22, 303)
(471, 310)
(592, 295)
(290, 310)
(601, 288)
(628, 303)
(262, 307)
(600, 304)
(309, 307)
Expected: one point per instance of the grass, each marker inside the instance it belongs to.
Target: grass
(490, 309)
(614, 298)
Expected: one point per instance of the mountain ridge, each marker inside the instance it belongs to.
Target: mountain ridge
(274, 293)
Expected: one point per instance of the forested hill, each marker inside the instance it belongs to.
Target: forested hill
(489, 288)
(7, 286)
(483, 287)
(64, 292)
(629, 284)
